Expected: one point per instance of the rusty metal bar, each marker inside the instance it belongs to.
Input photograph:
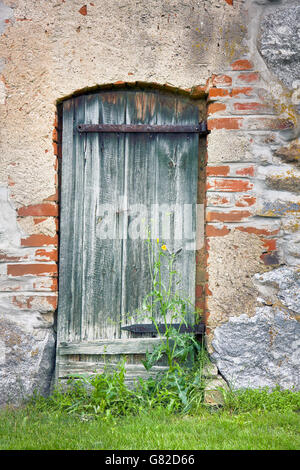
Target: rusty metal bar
(201, 128)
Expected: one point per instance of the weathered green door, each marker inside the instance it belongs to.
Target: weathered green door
(112, 184)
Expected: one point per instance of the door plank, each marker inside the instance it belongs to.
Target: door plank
(116, 346)
(133, 371)
(71, 229)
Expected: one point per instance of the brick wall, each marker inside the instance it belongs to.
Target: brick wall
(32, 270)
(239, 107)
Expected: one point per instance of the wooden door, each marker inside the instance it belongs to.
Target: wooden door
(103, 268)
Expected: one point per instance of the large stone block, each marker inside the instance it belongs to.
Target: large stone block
(261, 351)
(279, 42)
(283, 285)
(26, 360)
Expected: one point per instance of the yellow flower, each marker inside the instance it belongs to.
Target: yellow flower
(157, 240)
(163, 247)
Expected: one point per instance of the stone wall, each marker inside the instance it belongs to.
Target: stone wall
(253, 222)
(244, 57)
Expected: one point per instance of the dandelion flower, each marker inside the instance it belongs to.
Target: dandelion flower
(163, 247)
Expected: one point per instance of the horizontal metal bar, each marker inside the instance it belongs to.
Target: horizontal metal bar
(150, 328)
(143, 128)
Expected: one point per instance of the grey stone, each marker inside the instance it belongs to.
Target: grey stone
(281, 284)
(26, 362)
(261, 351)
(279, 43)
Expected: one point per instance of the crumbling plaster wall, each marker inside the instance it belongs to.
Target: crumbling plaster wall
(49, 50)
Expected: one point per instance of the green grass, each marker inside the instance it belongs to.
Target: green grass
(109, 418)
(29, 428)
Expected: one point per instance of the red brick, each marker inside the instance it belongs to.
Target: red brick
(269, 244)
(249, 171)
(53, 197)
(247, 106)
(245, 200)
(241, 91)
(217, 170)
(242, 64)
(32, 269)
(253, 108)
(44, 255)
(221, 80)
(39, 240)
(52, 300)
(258, 231)
(232, 216)
(55, 123)
(55, 148)
(45, 209)
(212, 231)
(55, 135)
(215, 108)
(220, 201)
(26, 302)
(224, 123)
(54, 285)
(230, 185)
(207, 290)
(199, 291)
(217, 93)
(230, 2)
(249, 77)
(38, 220)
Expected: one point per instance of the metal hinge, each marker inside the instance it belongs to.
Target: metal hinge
(139, 328)
(201, 128)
